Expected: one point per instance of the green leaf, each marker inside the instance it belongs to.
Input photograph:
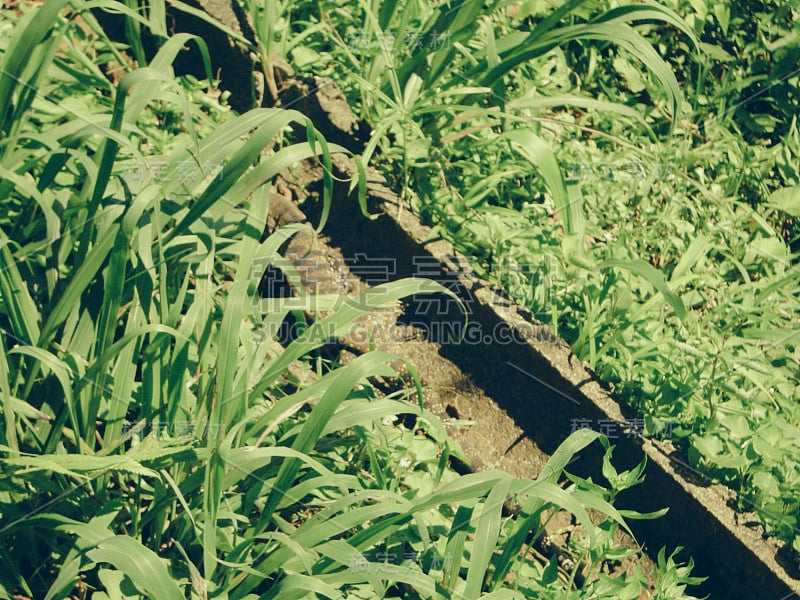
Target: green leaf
(540, 155)
(79, 466)
(787, 200)
(487, 532)
(140, 564)
(654, 277)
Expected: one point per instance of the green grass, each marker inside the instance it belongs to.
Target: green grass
(154, 442)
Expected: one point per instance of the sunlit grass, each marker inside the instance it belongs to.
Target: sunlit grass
(152, 445)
